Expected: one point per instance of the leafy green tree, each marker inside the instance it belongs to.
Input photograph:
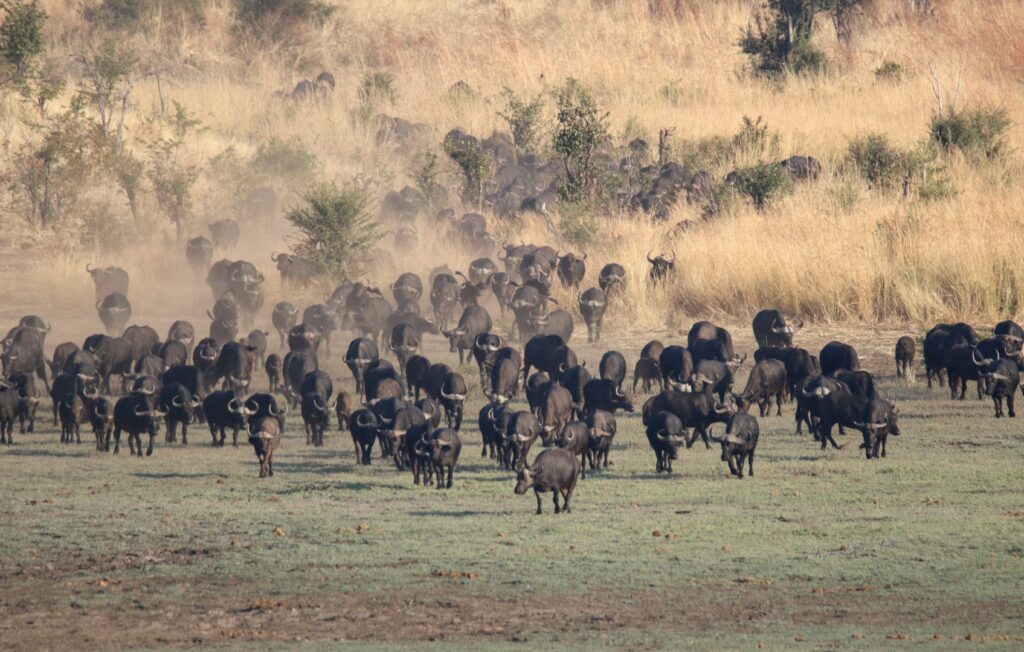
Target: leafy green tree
(21, 37)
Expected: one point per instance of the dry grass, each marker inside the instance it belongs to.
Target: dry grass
(652, 65)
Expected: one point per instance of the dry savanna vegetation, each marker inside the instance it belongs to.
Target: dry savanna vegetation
(609, 127)
(193, 102)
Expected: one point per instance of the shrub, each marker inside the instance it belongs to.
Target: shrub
(51, 173)
(880, 163)
(581, 127)
(708, 153)
(21, 37)
(718, 201)
(754, 140)
(335, 229)
(137, 14)
(577, 224)
(474, 163)
(427, 177)
(762, 183)
(378, 87)
(979, 133)
(890, 71)
(523, 117)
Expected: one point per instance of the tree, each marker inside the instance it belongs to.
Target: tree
(581, 127)
(107, 84)
(172, 178)
(779, 38)
(21, 37)
(335, 229)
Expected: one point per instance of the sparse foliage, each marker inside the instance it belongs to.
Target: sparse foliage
(427, 178)
(107, 84)
(335, 229)
(172, 177)
(979, 133)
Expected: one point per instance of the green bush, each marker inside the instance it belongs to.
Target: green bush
(879, 162)
(979, 133)
(523, 117)
(335, 229)
(718, 201)
(21, 37)
(762, 182)
(580, 128)
(474, 163)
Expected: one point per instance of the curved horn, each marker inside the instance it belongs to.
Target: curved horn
(88, 268)
(274, 256)
(583, 256)
(975, 359)
(177, 402)
(649, 259)
(142, 414)
(99, 415)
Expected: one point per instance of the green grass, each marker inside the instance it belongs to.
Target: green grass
(823, 546)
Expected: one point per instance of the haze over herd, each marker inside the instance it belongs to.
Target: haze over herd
(623, 250)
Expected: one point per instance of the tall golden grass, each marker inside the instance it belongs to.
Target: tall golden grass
(869, 256)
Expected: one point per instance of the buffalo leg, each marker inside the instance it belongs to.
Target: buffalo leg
(184, 434)
(536, 492)
(750, 463)
(152, 439)
(1009, 403)
(566, 495)
(998, 402)
(451, 469)
(731, 460)
(554, 498)
(778, 404)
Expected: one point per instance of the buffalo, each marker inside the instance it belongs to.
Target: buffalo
(554, 470)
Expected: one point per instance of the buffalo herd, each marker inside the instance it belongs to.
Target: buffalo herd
(413, 409)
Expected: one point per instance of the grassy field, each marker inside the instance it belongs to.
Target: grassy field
(819, 550)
